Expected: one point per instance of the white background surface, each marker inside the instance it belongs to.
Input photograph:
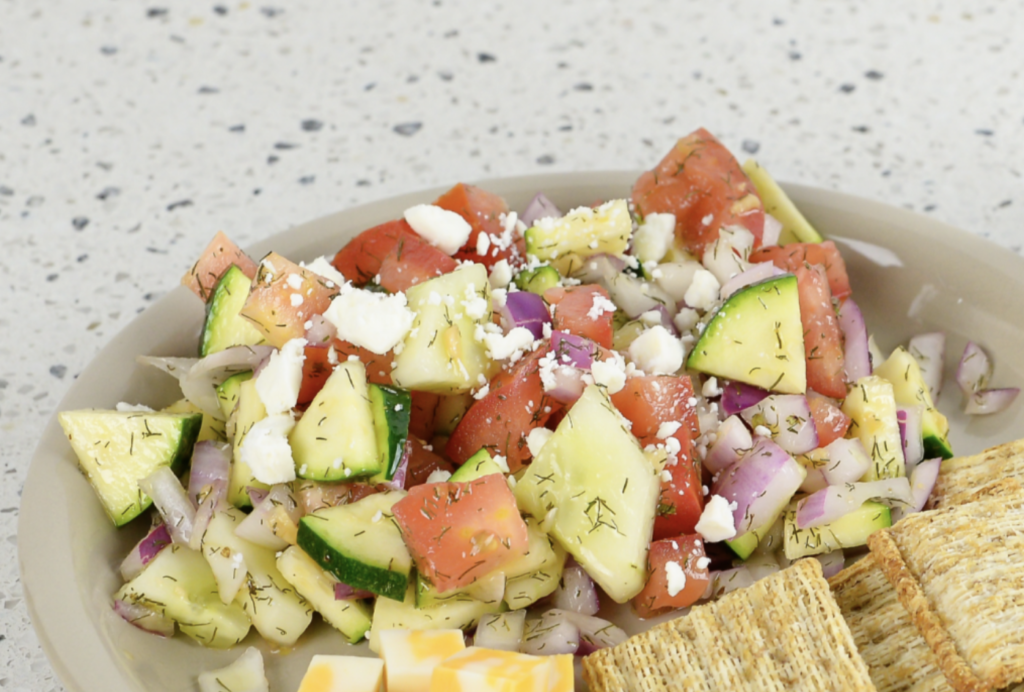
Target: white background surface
(131, 132)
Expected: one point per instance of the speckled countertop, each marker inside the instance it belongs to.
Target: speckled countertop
(130, 133)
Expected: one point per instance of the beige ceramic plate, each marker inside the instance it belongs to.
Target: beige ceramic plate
(910, 274)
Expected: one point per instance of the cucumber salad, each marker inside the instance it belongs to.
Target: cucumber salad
(493, 420)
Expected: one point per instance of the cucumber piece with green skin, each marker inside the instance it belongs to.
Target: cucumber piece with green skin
(227, 392)
(360, 544)
(391, 408)
(224, 326)
(904, 373)
(335, 439)
(489, 589)
(211, 429)
(795, 228)
(350, 617)
(757, 338)
(871, 406)
(249, 411)
(277, 612)
(477, 466)
(538, 280)
(849, 531)
(450, 410)
(583, 231)
(116, 450)
(404, 615)
(601, 492)
(746, 544)
(536, 574)
(178, 584)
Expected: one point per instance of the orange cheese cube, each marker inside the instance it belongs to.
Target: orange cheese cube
(491, 670)
(410, 656)
(343, 674)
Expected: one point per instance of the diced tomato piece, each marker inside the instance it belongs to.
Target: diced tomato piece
(270, 305)
(412, 261)
(650, 400)
(574, 312)
(681, 501)
(378, 366)
(422, 463)
(483, 210)
(515, 404)
(316, 368)
(703, 185)
(789, 257)
(458, 532)
(360, 260)
(830, 422)
(686, 553)
(220, 254)
(423, 414)
(823, 340)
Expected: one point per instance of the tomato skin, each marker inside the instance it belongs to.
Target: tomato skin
(685, 551)
(789, 257)
(515, 404)
(220, 254)
(483, 210)
(422, 463)
(699, 178)
(359, 261)
(465, 529)
(269, 305)
(316, 368)
(823, 339)
(412, 261)
(378, 366)
(572, 306)
(830, 422)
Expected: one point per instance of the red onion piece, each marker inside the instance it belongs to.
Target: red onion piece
(344, 592)
(788, 416)
(600, 268)
(848, 461)
(576, 591)
(569, 384)
(664, 318)
(857, 362)
(256, 495)
(550, 635)
(320, 331)
(761, 483)
(772, 231)
(836, 501)
(144, 618)
(831, 563)
(525, 309)
(540, 207)
(974, 370)
(635, 296)
(258, 526)
(922, 482)
(213, 498)
(144, 551)
(594, 631)
(737, 396)
(501, 631)
(989, 401)
(762, 271)
(570, 349)
(732, 441)
(172, 502)
(909, 420)
(929, 350)
(397, 481)
(211, 462)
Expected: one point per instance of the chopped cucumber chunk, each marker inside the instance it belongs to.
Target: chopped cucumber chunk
(224, 326)
(849, 531)
(391, 409)
(795, 228)
(350, 617)
(871, 406)
(908, 386)
(249, 411)
(583, 231)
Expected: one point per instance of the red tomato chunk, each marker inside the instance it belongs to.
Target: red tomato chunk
(220, 254)
(823, 340)
(575, 313)
(794, 255)
(685, 553)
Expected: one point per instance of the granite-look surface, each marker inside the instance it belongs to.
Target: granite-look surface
(130, 133)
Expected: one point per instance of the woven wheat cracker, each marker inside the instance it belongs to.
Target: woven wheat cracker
(785, 632)
(961, 477)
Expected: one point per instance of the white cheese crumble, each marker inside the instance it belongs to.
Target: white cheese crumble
(475, 304)
(657, 352)
(654, 237)
(501, 274)
(502, 462)
(296, 298)
(438, 476)
(600, 306)
(676, 577)
(716, 521)
(703, 562)
(123, 407)
(536, 440)
(505, 346)
(483, 244)
(482, 392)
(294, 281)
(666, 476)
(703, 292)
(380, 515)
(651, 318)
(710, 388)
(266, 450)
(610, 373)
(374, 321)
(323, 268)
(441, 228)
(668, 429)
(279, 381)
(763, 431)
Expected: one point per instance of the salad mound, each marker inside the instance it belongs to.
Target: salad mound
(474, 418)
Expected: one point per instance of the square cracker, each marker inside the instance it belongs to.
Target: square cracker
(898, 658)
(785, 632)
(960, 478)
(958, 573)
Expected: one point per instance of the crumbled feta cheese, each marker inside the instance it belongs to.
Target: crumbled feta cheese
(482, 392)
(716, 521)
(321, 267)
(380, 515)
(600, 306)
(483, 244)
(651, 318)
(374, 321)
(675, 576)
(502, 462)
(710, 388)
(686, 320)
(763, 431)
(266, 450)
(703, 562)
(657, 352)
(703, 291)
(610, 373)
(438, 476)
(536, 440)
(706, 221)
(475, 304)
(294, 281)
(441, 228)
(503, 347)
(434, 298)
(501, 274)
(666, 476)
(668, 429)
(296, 299)
(654, 237)
(279, 381)
(129, 408)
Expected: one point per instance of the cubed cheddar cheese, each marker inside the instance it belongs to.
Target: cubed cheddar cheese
(410, 656)
(343, 674)
(490, 670)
